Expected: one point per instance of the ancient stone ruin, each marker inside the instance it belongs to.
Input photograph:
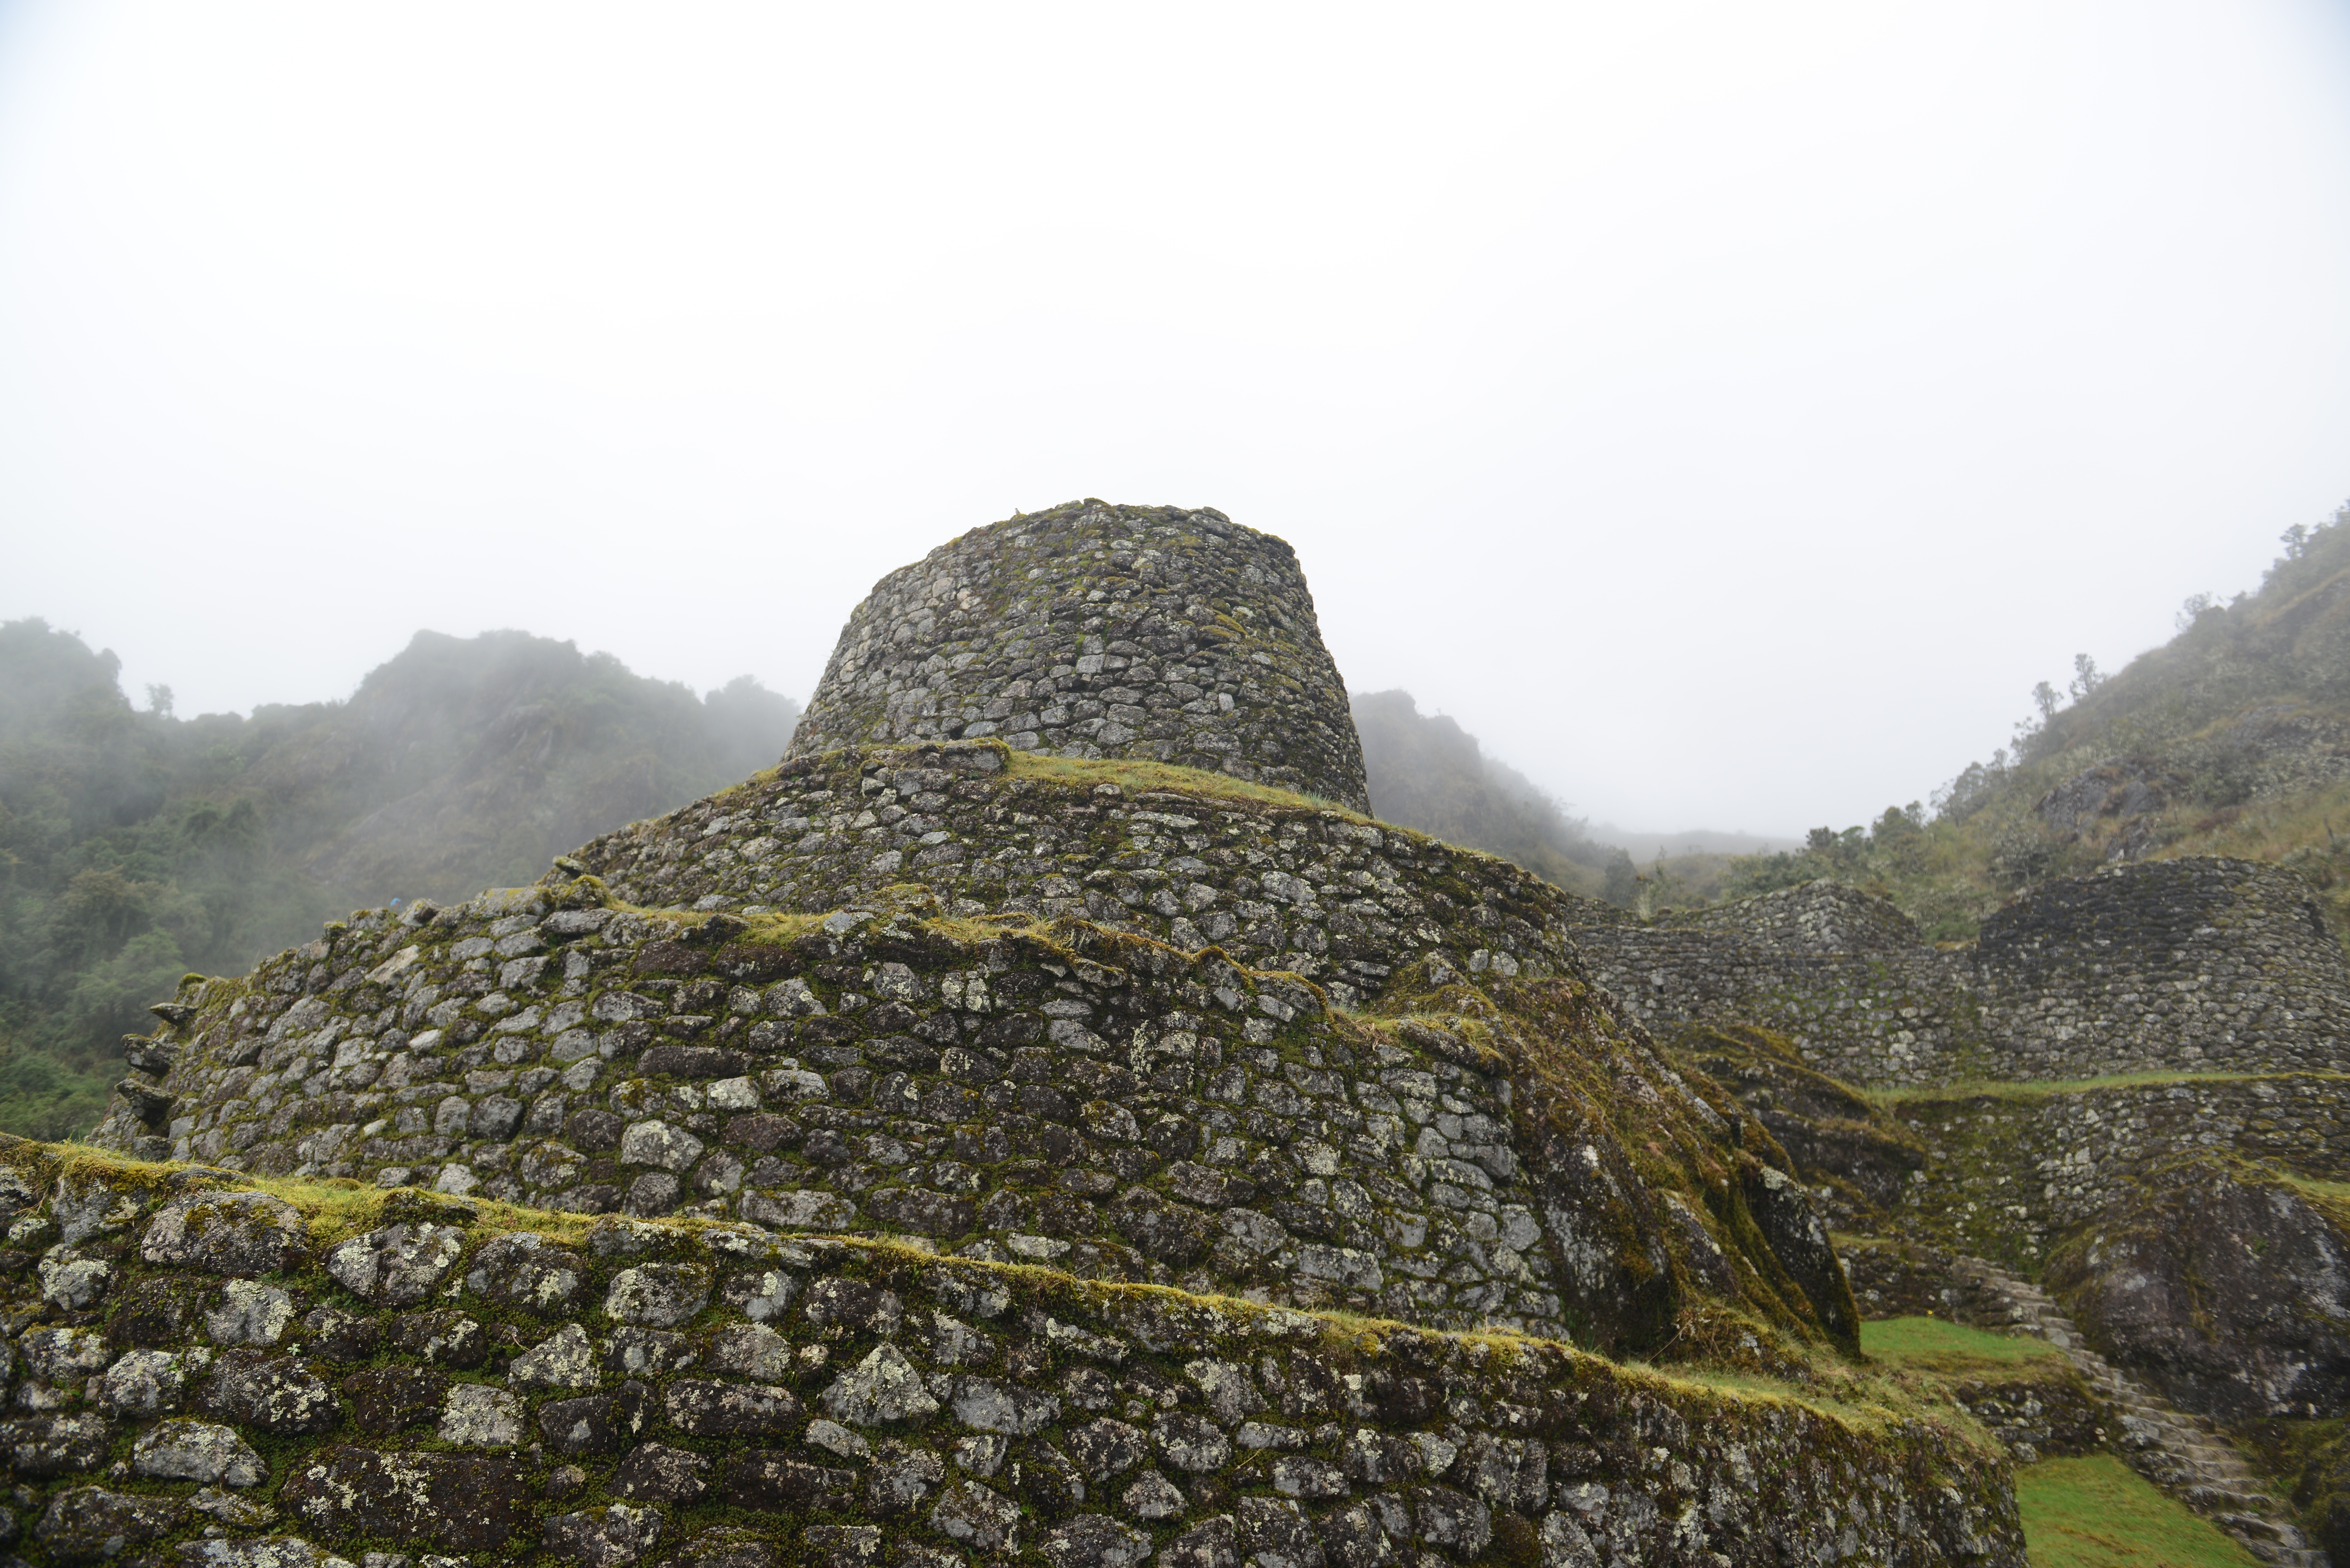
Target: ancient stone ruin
(1044, 1117)
(1146, 632)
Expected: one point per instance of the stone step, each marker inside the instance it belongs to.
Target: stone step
(2181, 1452)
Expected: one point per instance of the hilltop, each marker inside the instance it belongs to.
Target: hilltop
(138, 845)
(2232, 739)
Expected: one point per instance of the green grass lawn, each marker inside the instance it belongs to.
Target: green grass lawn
(1932, 1345)
(2097, 1513)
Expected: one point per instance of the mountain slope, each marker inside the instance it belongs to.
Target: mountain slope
(1428, 772)
(2231, 738)
(135, 845)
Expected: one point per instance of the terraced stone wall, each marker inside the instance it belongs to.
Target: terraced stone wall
(1273, 882)
(1159, 1117)
(214, 1379)
(2190, 965)
(2005, 1179)
(1842, 974)
(2169, 964)
(1094, 630)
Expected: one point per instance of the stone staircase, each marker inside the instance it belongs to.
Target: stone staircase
(2183, 1454)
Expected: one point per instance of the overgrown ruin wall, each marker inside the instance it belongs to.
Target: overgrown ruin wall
(2006, 1176)
(2193, 964)
(1271, 880)
(1144, 632)
(207, 1379)
(1162, 1118)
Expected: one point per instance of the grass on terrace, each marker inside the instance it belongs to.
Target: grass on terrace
(2097, 1513)
(1932, 1344)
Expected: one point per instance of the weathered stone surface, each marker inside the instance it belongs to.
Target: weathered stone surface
(226, 1233)
(475, 1416)
(596, 1423)
(704, 1409)
(563, 1359)
(1099, 630)
(274, 1551)
(141, 1383)
(604, 1537)
(54, 1445)
(398, 1265)
(197, 1451)
(769, 1480)
(246, 1312)
(386, 1400)
(152, 1313)
(659, 1295)
(978, 1517)
(1798, 1237)
(75, 1284)
(655, 1472)
(1227, 1041)
(526, 1271)
(2196, 964)
(1095, 1541)
(883, 1388)
(456, 1502)
(2224, 1287)
(279, 1395)
(90, 1524)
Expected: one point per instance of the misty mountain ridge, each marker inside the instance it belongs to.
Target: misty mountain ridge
(1427, 773)
(1645, 844)
(137, 846)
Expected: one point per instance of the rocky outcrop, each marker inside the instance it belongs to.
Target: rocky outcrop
(1091, 630)
(2223, 1286)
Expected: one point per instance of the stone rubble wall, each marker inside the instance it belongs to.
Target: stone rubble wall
(2165, 965)
(1033, 1086)
(2005, 1179)
(202, 1378)
(1091, 630)
(1164, 1117)
(2197, 964)
(1276, 883)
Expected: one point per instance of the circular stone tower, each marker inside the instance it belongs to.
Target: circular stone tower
(1094, 630)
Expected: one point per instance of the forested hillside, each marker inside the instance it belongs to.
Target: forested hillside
(1428, 772)
(136, 846)
(2233, 739)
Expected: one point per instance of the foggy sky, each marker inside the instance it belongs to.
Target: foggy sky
(1726, 412)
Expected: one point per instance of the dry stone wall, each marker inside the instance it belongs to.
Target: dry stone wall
(1272, 881)
(1162, 1117)
(2190, 965)
(1093, 630)
(2006, 1177)
(205, 1377)
(2163, 965)
(1013, 1089)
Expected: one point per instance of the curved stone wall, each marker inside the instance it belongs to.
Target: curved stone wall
(1269, 879)
(1094, 630)
(2006, 1176)
(2192, 964)
(211, 1378)
(2162, 965)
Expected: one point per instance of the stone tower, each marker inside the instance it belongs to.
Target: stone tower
(1094, 630)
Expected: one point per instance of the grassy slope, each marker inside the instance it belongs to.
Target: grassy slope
(2097, 1513)
(2090, 1512)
